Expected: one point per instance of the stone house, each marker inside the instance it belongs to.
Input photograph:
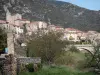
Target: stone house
(75, 35)
(35, 26)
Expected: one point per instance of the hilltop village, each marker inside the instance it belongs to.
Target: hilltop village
(37, 47)
(16, 24)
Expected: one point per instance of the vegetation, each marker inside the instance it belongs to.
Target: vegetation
(73, 49)
(30, 67)
(74, 63)
(47, 46)
(76, 60)
(95, 59)
(3, 40)
(61, 70)
(51, 49)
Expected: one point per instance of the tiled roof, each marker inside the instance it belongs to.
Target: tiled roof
(36, 22)
(14, 25)
(72, 29)
(3, 22)
(58, 26)
(23, 19)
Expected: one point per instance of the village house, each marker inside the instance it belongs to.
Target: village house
(94, 37)
(35, 26)
(16, 22)
(59, 29)
(55, 28)
(51, 27)
(3, 24)
(20, 22)
(75, 35)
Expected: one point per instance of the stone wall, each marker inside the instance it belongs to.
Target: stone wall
(22, 61)
(25, 60)
(9, 65)
(12, 65)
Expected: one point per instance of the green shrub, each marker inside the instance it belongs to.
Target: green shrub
(30, 67)
(73, 49)
(39, 66)
(0, 67)
(67, 59)
(23, 67)
(81, 64)
(58, 70)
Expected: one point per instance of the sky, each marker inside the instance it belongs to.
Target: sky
(89, 4)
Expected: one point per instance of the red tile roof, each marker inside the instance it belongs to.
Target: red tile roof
(72, 29)
(58, 26)
(14, 25)
(22, 19)
(3, 22)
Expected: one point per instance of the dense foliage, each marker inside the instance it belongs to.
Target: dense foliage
(30, 67)
(47, 46)
(3, 39)
(95, 59)
(58, 70)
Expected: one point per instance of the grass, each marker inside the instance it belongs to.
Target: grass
(78, 59)
(62, 70)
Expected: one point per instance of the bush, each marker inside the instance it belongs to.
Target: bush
(0, 67)
(73, 49)
(48, 46)
(67, 59)
(73, 59)
(39, 66)
(33, 67)
(81, 64)
(30, 67)
(23, 67)
(77, 42)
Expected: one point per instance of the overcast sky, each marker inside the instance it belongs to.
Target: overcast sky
(89, 4)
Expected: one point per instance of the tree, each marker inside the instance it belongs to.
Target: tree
(94, 59)
(47, 46)
(3, 39)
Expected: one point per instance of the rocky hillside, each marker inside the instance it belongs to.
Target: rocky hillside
(60, 13)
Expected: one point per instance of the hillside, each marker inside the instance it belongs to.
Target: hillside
(59, 13)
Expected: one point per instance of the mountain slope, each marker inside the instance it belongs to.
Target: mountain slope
(57, 12)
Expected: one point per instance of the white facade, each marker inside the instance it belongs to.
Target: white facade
(94, 37)
(51, 27)
(18, 30)
(72, 34)
(59, 29)
(16, 22)
(35, 26)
